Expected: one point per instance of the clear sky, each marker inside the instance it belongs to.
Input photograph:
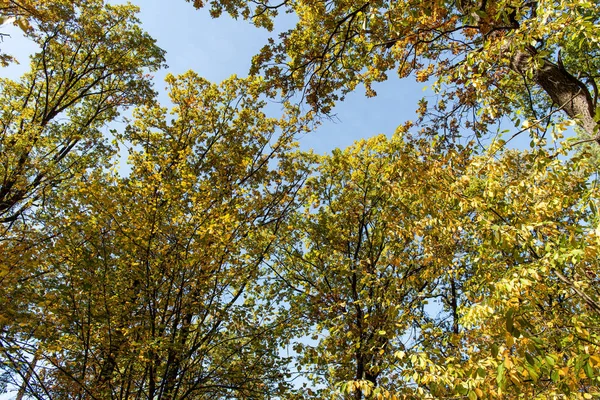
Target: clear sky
(219, 48)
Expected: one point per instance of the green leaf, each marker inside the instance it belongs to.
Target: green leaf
(532, 372)
(509, 320)
(589, 371)
(494, 350)
(500, 378)
(529, 359)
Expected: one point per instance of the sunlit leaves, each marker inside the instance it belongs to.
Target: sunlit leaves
(389, 225)
(90, 65)
(360, 258)
(93, 61)
(532, 298)
(225, 263)
(144, 281)
(486, 59)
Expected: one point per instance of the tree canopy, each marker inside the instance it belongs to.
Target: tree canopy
(228, 262)
(493, 58)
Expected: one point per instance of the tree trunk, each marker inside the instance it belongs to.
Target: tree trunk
(568, 92)
(454, 306)
(28, 374)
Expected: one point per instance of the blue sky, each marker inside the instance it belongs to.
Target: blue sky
(219, 48)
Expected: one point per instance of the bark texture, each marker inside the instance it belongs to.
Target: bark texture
(568, 92)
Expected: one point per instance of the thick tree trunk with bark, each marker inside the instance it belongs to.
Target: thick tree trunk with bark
(568, 92)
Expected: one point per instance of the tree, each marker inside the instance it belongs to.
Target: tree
(510, 267)
(92, 62)
(532, 325)
(90, 65)
(397, 268)
(363, 253)
(496, 58)
(141, 292)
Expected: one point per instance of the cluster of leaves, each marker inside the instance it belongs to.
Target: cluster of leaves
(420, 274)
(228, 264)
(139, 291)
(89, 66)
(488, 60)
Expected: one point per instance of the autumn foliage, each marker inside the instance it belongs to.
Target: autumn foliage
(224, 262)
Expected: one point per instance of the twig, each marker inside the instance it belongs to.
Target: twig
(594, 139)
(589, 301)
